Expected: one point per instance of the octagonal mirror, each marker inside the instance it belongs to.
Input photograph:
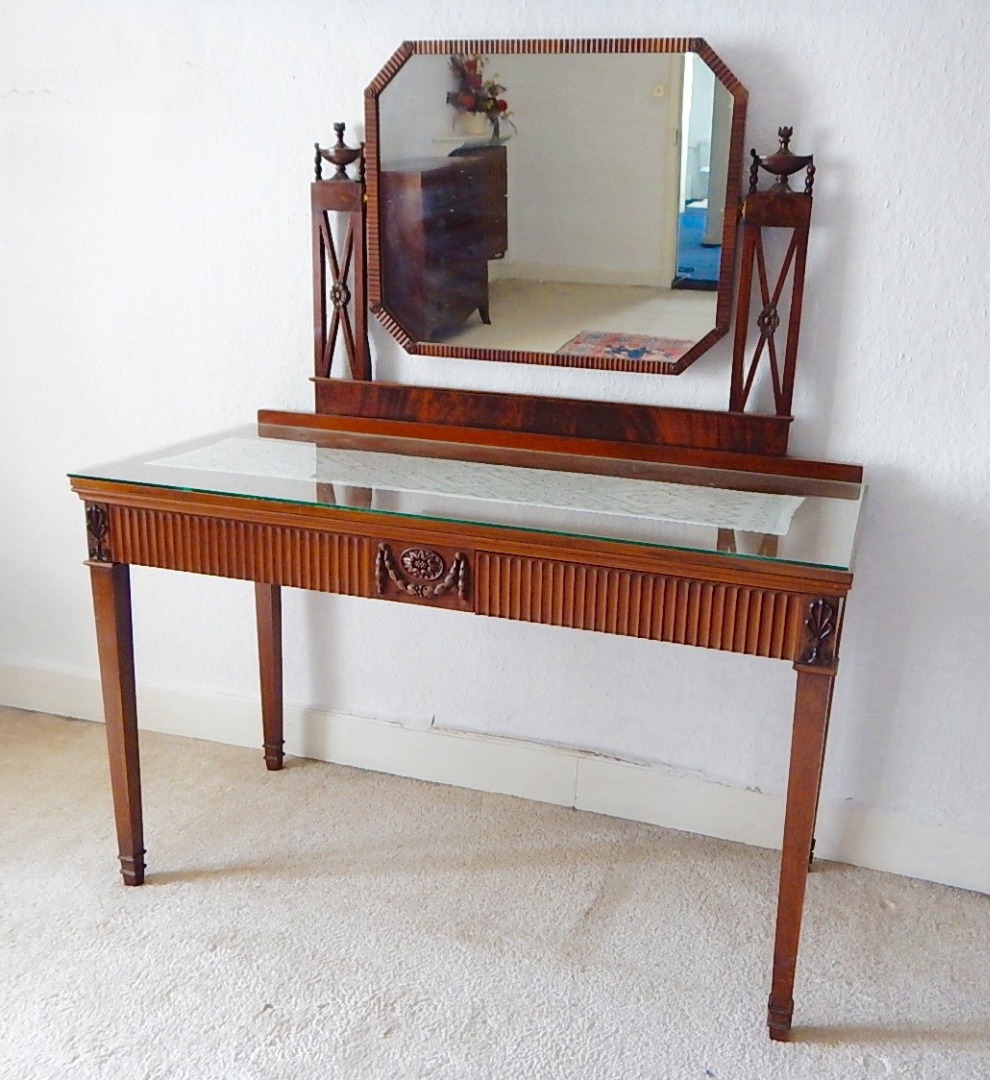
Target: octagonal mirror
(570, 203)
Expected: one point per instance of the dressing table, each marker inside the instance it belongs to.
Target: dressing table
(678, 525)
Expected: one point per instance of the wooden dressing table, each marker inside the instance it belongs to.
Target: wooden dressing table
(674, 525)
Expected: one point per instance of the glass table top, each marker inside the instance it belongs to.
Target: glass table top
(765, 517)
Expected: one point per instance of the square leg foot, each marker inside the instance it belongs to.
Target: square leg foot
(132, 869)
(779, 1021)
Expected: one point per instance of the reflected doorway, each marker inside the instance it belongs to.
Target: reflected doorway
(700, 212)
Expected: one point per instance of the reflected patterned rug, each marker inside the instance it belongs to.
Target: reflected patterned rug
(629, 346)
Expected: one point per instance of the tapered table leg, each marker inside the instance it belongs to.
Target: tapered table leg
(112, 607)
(818, 793)
(268, 604)
(811, 709)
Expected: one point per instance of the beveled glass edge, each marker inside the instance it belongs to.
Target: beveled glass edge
(98, 473)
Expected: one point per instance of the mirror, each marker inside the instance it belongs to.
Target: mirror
(571, 203)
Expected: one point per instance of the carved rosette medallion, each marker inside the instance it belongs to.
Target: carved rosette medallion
(340, 295)
(421, 572)
(768, 320)
(421, 564)
(98, 531)
(821, 625)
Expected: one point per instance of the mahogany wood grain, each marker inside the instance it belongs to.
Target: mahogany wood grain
(326, 549)
(340, 276)
(114, 638)
(268, 608)
(496, 194)
(656, 607)
(607, 421)
(776, 211)
(770, 210)
(342, 196)
(818, 790)
(811, 709)
(434, 238)
(507, 447)
(319, 227)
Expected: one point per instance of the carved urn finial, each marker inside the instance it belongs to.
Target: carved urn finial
(782, 164)
(339, 155)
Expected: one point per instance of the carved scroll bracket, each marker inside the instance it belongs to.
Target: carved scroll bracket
(423, 574)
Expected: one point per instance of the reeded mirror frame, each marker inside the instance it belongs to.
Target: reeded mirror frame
(726, 279)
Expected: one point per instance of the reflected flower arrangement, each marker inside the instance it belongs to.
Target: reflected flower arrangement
(476, 94)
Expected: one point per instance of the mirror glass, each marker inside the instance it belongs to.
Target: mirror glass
(571, 208)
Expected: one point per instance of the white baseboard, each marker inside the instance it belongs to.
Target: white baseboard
(566, 777)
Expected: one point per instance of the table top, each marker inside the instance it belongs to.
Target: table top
(650, 504)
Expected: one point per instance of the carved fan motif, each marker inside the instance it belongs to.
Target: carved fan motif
(821, 625)
(98, 532)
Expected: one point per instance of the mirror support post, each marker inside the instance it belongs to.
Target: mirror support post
(780, 207)
(345, 287)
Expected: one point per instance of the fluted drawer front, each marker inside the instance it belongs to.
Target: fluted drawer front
(304, 558)
(759, 622)
(713, 615)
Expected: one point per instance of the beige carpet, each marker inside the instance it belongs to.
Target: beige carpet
(329, 923)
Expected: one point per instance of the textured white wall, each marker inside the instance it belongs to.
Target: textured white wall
(154, 285)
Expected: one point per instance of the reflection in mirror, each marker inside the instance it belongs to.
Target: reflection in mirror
(577, 215)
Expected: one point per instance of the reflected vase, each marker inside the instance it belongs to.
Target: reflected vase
(471, 124)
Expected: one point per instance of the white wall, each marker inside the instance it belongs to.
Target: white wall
(154, 285)
(415, 111)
